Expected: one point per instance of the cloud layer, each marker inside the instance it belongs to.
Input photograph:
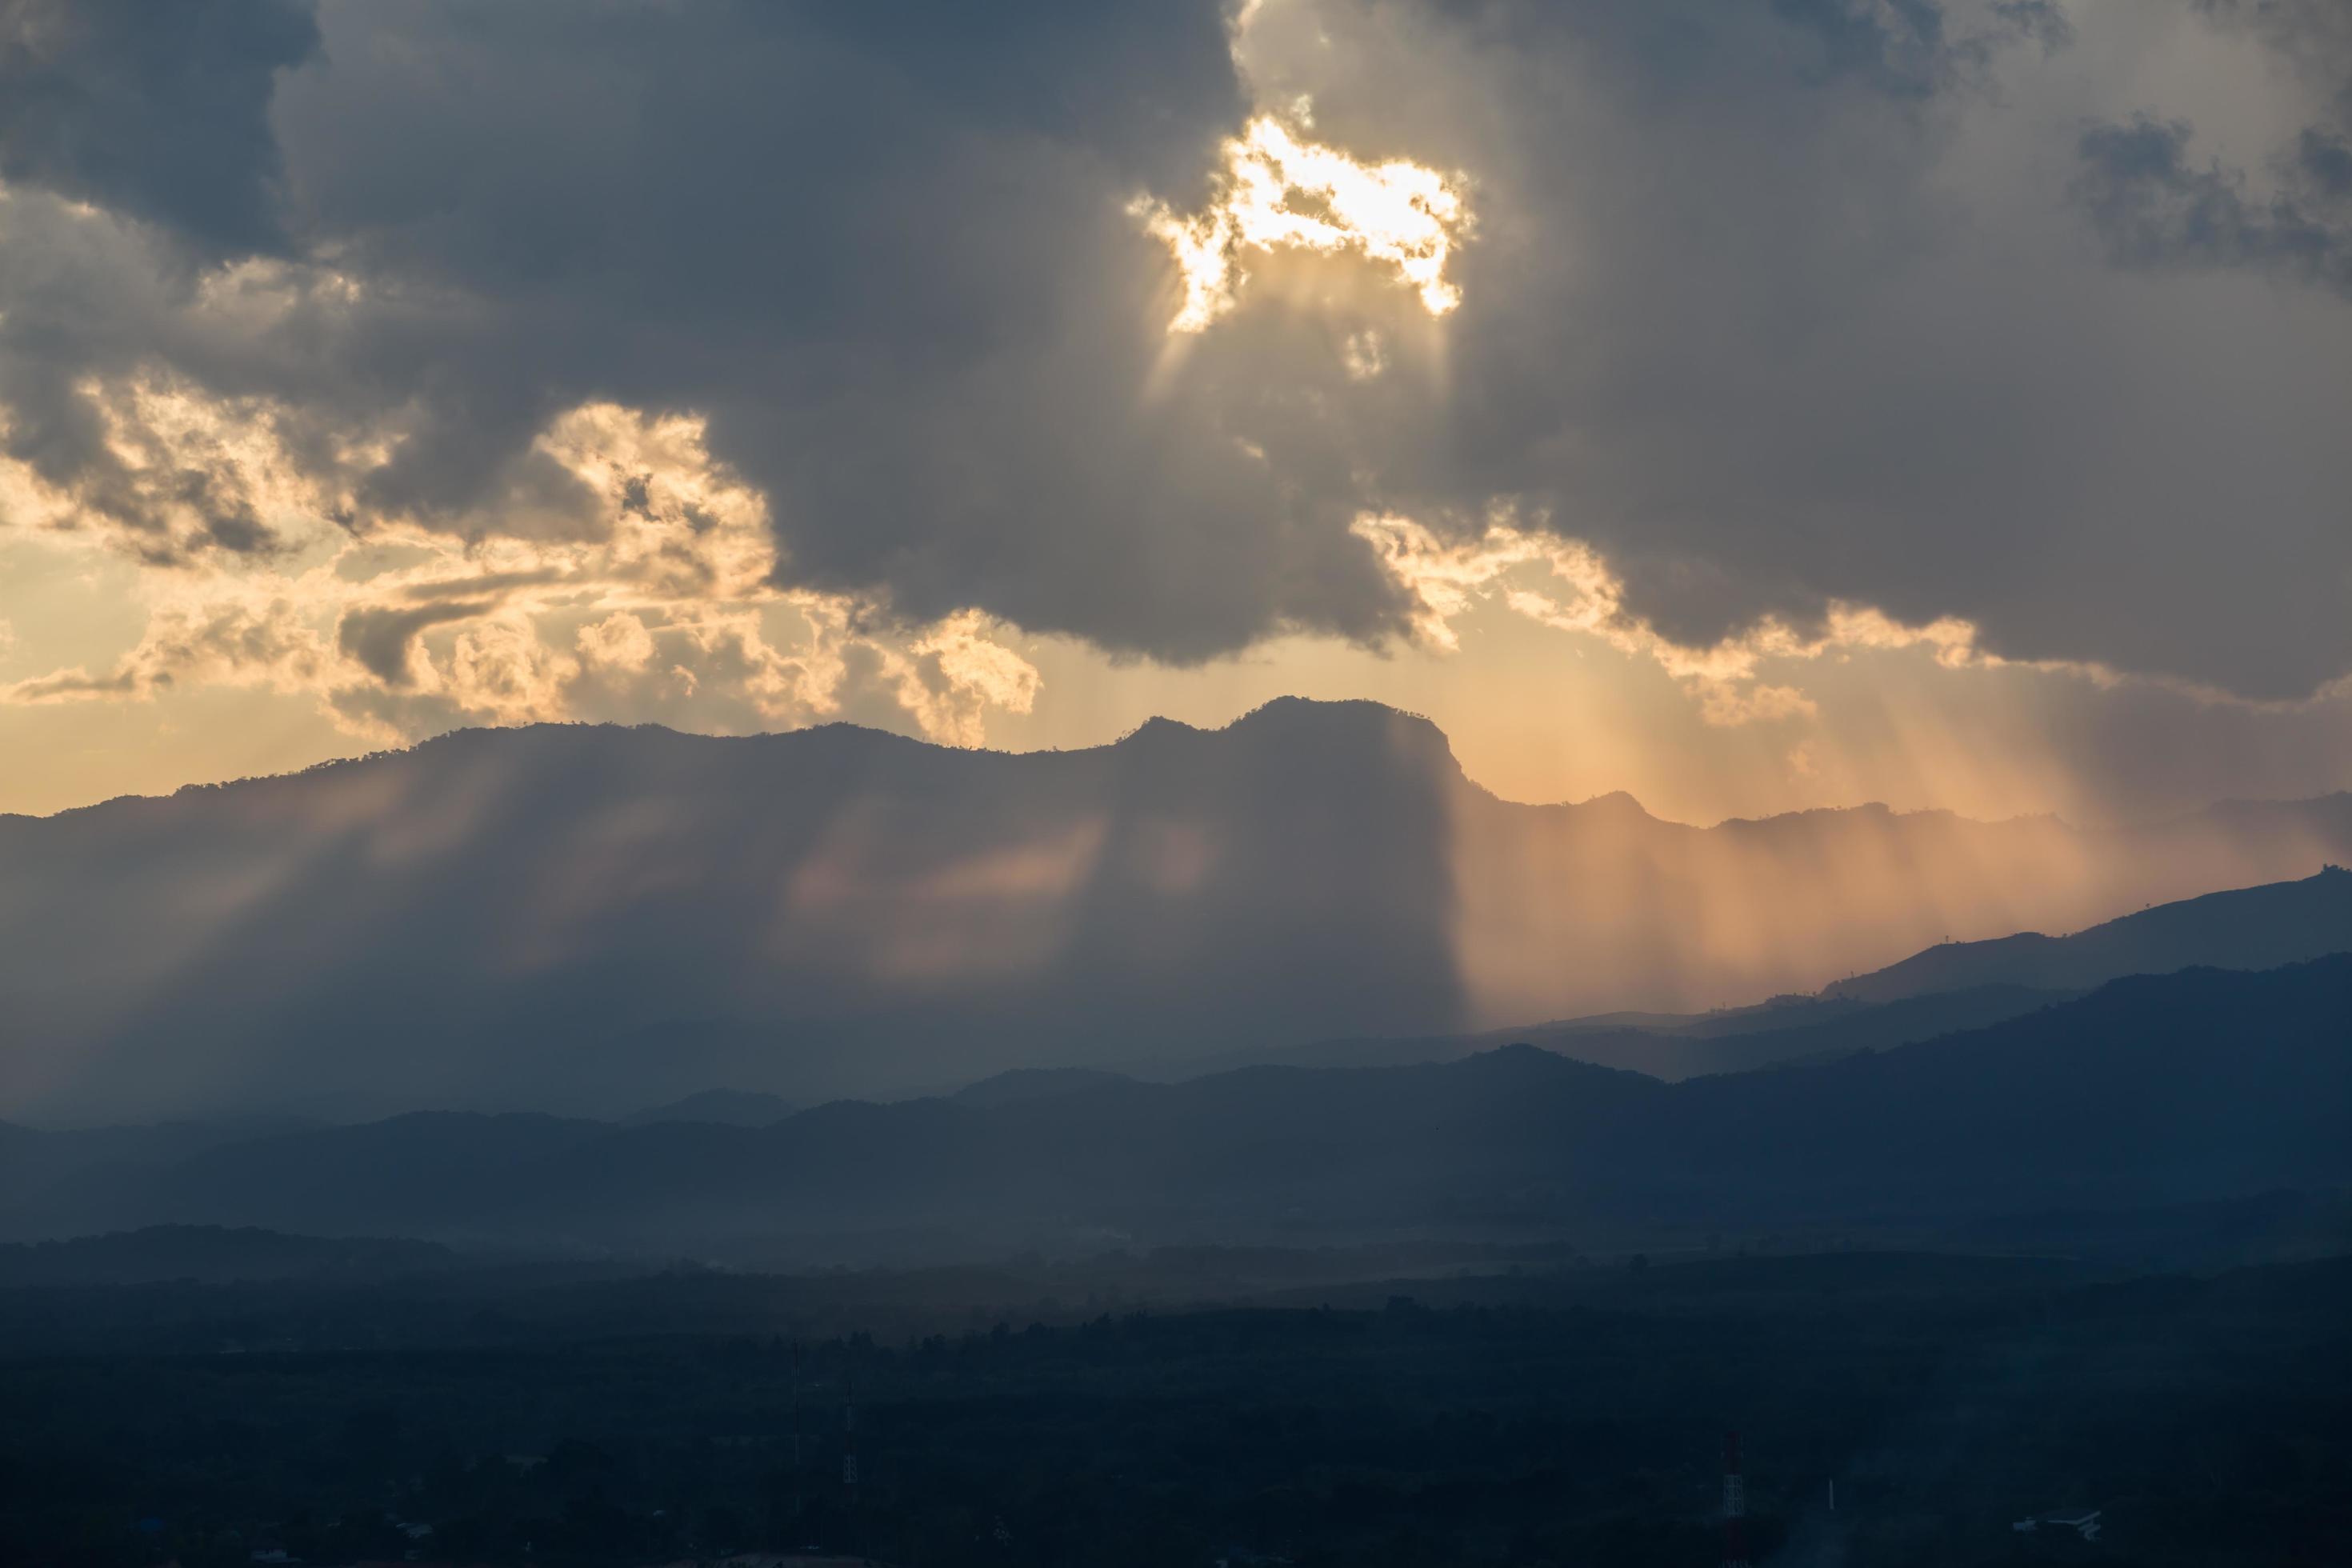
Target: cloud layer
(743, 365)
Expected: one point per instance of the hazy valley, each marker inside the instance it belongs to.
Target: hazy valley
(589, 921)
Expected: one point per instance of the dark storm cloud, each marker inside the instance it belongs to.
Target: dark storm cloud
(1723, 313)
(2317, 34)
(159, 112)
(2158, 205)
(380, 636)
(2155, 207)
(884, 250)
(2041, 20)
(1774, 326)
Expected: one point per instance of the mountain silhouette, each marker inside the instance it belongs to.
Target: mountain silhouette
(2188, 1087)
(590, 919)
(2245, 928)
(1032, 1083)
(730, 1107)
(1673, 1045)
(1942, 990)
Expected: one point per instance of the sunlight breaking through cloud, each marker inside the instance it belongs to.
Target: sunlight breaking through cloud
(649, 592)
(1278, 192)
(1580, 593)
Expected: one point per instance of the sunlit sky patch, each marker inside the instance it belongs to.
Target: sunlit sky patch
(1278, 192)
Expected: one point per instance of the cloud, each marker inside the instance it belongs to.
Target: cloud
(659, 603)
(250, 642)
(2155, 209)
(1773, 317)
(618, 642)
(951, 676)
(1278, 190)
(1567, 587)
(159, 112)
(382, 638)
(1771, 310)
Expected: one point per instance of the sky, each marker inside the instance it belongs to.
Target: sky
(1751, 405)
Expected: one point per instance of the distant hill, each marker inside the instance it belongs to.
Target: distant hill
(2181, 1088)
(726, 1107)
(1674, 1046)
(33, 1157)
(1810, 1034)
(212, 1255)
(403, 1175)
(2248, 928)
(2200, 1084)
(590, 919)
(1941, 990)
(1023, 1084)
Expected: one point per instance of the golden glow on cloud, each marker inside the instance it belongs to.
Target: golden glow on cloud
(1577, 592)
(1278, 192)
(978, 674)
(648, 592)
(652, 595)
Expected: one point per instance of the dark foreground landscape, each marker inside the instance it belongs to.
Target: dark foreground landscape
(1536, 1406)
(2030, 1248)
(2072, 1286)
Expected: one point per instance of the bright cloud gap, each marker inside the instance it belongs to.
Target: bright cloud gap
(1278, 192)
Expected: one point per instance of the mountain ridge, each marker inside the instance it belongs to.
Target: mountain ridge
(2202, 1085)
(590, 919)
(1615, 799)
(2274, 923)
(1937, 991)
